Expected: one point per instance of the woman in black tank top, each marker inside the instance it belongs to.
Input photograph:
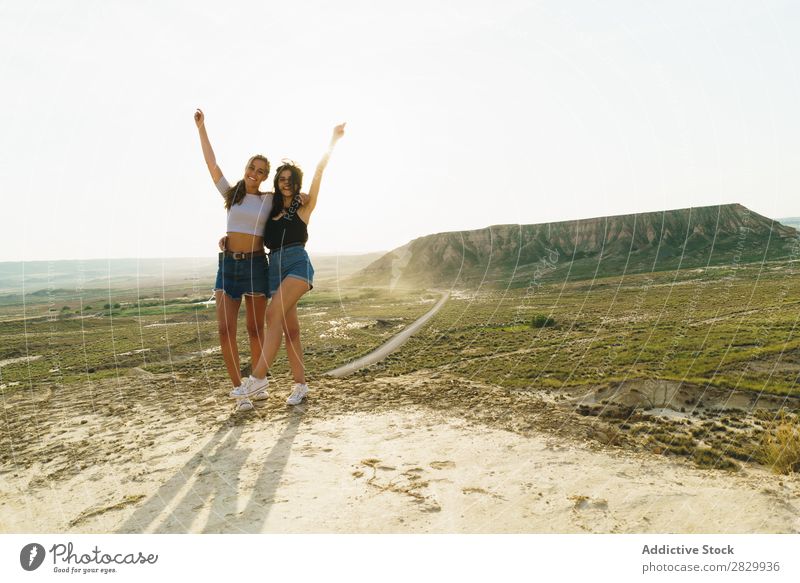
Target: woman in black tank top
(290, 271)
(286, 227)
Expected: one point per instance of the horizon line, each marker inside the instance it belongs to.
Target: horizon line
(356, 253)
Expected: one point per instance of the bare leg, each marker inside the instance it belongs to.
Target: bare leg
(294, 349)
(290, 291)
(256, 311)
(227, 314)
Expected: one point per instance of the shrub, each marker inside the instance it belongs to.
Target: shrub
(542, 321)
(780, 447)
(709, 458)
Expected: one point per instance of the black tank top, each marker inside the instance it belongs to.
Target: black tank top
(287, 230)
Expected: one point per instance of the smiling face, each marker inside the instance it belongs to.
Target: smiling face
(285, 183)
(288, 181)
(255, 173)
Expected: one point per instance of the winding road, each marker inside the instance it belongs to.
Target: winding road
(393, 344)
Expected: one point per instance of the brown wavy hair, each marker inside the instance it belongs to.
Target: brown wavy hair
(296, 182)
(235, 193)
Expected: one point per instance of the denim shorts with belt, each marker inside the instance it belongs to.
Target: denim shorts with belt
(241, 274)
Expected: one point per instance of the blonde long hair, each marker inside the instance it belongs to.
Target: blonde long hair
(235, 193)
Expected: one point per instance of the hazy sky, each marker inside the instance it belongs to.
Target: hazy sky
(460, 115)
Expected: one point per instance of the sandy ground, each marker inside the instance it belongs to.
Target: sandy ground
(145, 453)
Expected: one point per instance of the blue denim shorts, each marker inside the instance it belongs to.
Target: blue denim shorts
(286, 262)
(242, 277)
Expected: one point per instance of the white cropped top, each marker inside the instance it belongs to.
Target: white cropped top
(250, 215)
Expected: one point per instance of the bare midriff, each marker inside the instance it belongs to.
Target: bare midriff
(244, 243)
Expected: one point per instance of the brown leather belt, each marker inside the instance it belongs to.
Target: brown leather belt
(241, 256)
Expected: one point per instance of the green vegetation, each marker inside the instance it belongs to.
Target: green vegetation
(542, 321)
(174, 333)
(723, 327)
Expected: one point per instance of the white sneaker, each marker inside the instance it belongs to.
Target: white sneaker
(261, 395)
(250, 386)
(244, 405)
(298, 394)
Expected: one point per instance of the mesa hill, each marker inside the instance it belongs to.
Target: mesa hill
(522, 255)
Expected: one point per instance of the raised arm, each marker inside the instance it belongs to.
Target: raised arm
(313, 192)
(208, 153)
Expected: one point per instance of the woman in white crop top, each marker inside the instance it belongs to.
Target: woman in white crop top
(290, 271)
(242, 267)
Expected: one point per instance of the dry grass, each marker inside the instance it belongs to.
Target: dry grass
(780, 448)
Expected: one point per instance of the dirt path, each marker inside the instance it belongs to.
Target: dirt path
(393, 344)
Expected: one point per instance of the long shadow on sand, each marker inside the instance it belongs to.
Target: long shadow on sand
(205, 494)
(262, 497)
